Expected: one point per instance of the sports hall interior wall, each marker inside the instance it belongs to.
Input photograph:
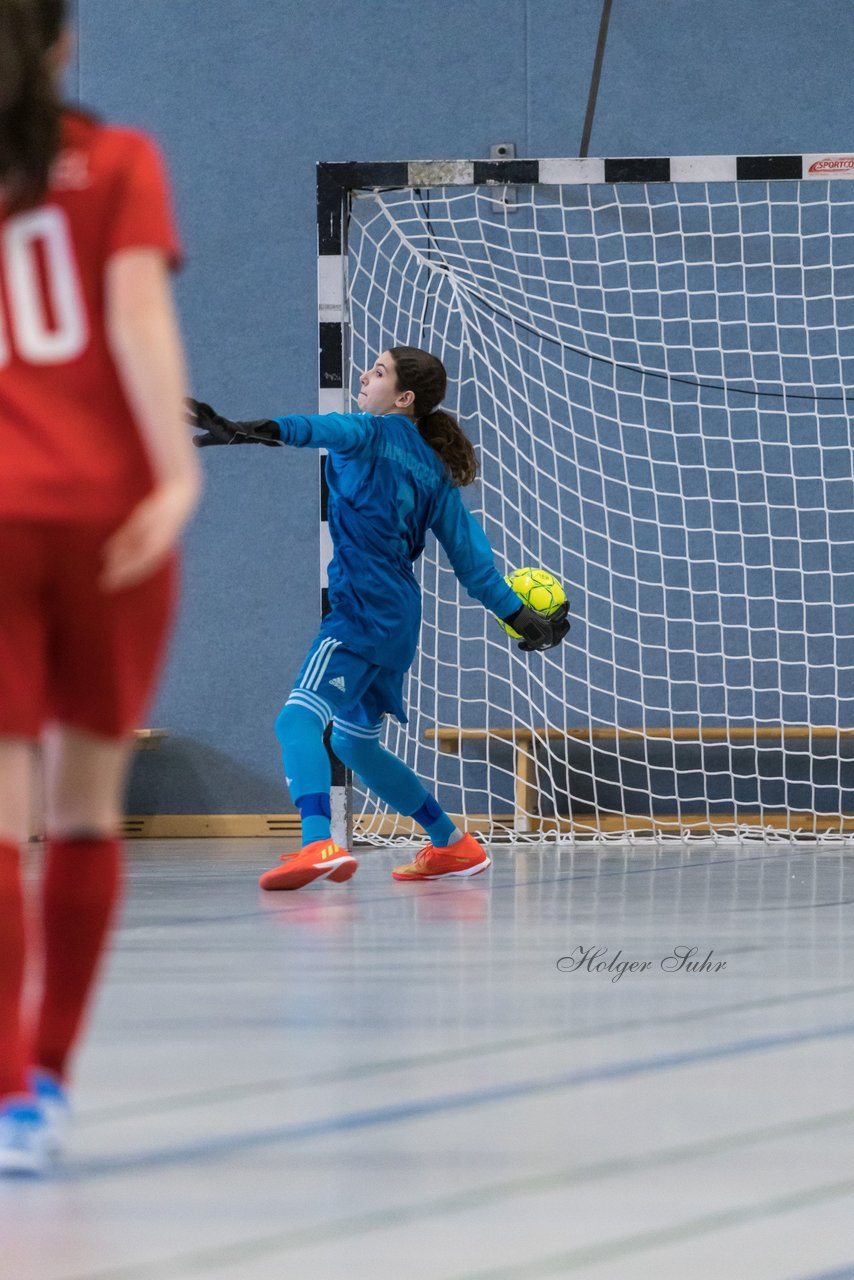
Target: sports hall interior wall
(245, 98)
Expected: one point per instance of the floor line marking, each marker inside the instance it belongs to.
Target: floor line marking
(216, 1147)
(366, 1070)
(323, 1232)
(559, 1264)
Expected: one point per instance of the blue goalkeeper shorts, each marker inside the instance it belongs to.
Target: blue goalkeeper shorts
(336, 683)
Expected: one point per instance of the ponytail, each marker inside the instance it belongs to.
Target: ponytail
(423, 374)
(445, 435)
(29, 101)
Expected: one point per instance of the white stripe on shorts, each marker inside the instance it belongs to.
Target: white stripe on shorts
(319, 662)
(314, 661)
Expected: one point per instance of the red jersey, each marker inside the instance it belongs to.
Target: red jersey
(70, 448)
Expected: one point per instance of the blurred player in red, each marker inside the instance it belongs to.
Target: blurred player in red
(97, 479)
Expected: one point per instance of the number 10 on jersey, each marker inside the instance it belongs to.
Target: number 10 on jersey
(44, 320)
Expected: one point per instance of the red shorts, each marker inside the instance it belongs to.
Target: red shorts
(71, 653)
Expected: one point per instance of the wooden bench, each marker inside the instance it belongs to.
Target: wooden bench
(524, 739)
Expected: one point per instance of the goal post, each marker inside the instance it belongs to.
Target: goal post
(654, 359)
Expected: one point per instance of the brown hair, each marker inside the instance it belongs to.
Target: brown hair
(420, 372)
(29, 98)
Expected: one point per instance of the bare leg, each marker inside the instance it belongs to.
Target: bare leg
(15, 789)
(85, 778)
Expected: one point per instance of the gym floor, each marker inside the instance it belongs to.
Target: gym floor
(442, 1081)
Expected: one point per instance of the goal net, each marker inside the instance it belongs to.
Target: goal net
(655, 377)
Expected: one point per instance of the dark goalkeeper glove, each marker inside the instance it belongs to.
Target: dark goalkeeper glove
(539, 632)
(219, 430)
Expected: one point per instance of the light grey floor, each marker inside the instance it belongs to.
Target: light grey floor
(389, 1080)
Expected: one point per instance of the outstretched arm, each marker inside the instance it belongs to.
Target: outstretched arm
(218, 430)
(467, 547)
(344, 433)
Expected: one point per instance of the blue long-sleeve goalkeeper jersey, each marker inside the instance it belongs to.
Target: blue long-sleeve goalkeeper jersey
(387, 487)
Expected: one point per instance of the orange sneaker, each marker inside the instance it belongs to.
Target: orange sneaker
(320, 860)
(465, 858)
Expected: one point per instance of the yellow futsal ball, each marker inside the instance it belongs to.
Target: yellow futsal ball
(536, 588)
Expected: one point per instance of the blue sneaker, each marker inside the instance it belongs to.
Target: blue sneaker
(25, 1144)
(52, 1097)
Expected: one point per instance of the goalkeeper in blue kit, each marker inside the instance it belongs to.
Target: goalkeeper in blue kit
(393, 471)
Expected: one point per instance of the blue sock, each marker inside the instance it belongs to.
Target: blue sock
(315, 813)
(392, 780)
(307, 769)
(439, 827)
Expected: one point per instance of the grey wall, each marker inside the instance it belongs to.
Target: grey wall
(245, 96)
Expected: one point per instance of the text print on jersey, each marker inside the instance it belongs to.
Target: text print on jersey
(421, 472)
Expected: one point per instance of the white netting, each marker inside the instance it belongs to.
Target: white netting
(655, 380)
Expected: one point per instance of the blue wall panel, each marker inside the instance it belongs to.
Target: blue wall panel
(245, 98)
(561, 41)
(724, 77)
